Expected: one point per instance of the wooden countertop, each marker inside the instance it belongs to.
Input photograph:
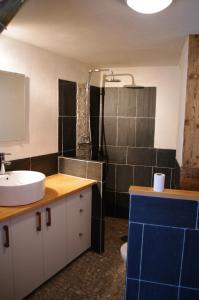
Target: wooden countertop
(57, 186)
(167, 193)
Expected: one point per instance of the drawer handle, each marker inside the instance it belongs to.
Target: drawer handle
(38, 214)
(81, 234)
(7, 240)
(81, 210)
(48, 211)
(81, 196)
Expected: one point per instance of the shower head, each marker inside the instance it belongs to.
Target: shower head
(135, 87)
(113, 79)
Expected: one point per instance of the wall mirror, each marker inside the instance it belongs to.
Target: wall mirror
(12, 106)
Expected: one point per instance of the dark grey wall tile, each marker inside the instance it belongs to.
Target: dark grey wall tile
(47, 164)
(94, 170)
(60, 135)
(69, 153)
(116, 154)
(145, 128)
(157, 291)
(190, 267)
(162, 211)
(122, 205)
(166, 158)
(127, 102)
(146, 102)
(68, 95)
(141, 156)
(96, 201)
(94, 131)
(109, 202)
(94, 101)
(110, 129)
(60, 99)
(124, 178)
(134, 250)
(176, 177)
(95, 153)
(161, 254)
(72, 167)
(69, 133)
(167, 173)
(142, 176)
(110, 178)
(126, 132)
(97, 232)
(109, 102)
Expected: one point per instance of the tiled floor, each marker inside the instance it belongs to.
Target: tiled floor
(92, 276)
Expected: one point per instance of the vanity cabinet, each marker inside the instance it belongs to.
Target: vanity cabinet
(27, 255)
(78, 223)
(54, 238)
(6, 273)
(38, 244)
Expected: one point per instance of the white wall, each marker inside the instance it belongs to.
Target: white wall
(166, 81)
(43, 70)
(183, 89)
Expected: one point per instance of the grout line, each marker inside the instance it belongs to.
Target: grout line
(171, 178)
(152, 176)
(156, 158)
(141, 261)
(161, 283)
(123, 117)
(164, 226)
(117, 118)
(86, 169)
(197, 216)
(182, 257)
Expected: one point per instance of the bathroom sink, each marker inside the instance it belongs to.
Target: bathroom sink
(21, 187)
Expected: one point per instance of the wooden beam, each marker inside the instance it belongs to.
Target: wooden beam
(189, 177)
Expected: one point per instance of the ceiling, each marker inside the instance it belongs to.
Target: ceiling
(106, 32)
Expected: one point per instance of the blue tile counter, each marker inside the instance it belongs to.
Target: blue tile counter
(163, 245)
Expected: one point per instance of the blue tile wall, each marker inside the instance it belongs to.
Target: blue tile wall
(132, 289)
(134, 249)
(161, 211)
(190, 267)
(161, 254)
(163, 249)
(155, 291)
(188, 294)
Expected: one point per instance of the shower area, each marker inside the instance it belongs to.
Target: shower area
(107, 134)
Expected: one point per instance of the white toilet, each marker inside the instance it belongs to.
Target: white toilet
(123, 251)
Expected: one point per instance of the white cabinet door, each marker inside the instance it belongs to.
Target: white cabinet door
(54, 238)
(27, 253)
(6, 274)
(78, 223)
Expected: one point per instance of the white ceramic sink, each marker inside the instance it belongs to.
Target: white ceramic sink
(21, 187)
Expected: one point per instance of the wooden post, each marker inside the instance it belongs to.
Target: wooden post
(189, 178)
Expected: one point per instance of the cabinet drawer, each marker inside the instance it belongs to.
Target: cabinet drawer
(78, 208)
(78, 223)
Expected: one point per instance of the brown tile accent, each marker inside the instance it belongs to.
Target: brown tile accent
(47, 164)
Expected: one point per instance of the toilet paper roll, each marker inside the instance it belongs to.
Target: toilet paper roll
(158, 182)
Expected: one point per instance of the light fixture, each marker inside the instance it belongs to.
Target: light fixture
(148, 6)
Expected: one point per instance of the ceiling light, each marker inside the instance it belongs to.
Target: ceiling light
(148, 6)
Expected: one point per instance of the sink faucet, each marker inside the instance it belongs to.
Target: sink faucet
(3, 162)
